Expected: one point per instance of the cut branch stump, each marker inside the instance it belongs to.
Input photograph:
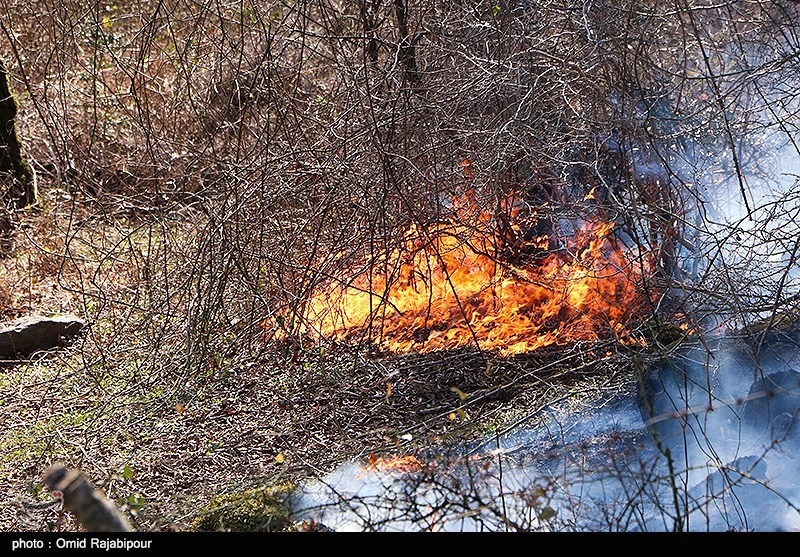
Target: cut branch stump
(93, 510)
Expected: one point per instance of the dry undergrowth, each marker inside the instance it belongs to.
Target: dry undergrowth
(162, 443)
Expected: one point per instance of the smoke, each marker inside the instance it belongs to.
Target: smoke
(710, 440)
(726, 416)
(710, 445)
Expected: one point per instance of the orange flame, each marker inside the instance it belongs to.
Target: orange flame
(446, 287)
(404, 464)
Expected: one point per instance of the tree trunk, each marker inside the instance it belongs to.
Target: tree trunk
(15, 172)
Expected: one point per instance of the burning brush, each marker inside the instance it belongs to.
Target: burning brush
(491, 283)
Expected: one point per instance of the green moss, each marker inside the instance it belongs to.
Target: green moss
(257, 510)
(670, 334)
(785, 322)
(47, 436)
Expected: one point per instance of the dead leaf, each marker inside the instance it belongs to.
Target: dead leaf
(461, 394)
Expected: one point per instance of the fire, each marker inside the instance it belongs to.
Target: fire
(448, 286)
(403, 464)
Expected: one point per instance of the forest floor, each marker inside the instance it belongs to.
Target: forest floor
(162, 444)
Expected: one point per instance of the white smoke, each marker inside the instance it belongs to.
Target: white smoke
(713, 447)
(714, 443)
